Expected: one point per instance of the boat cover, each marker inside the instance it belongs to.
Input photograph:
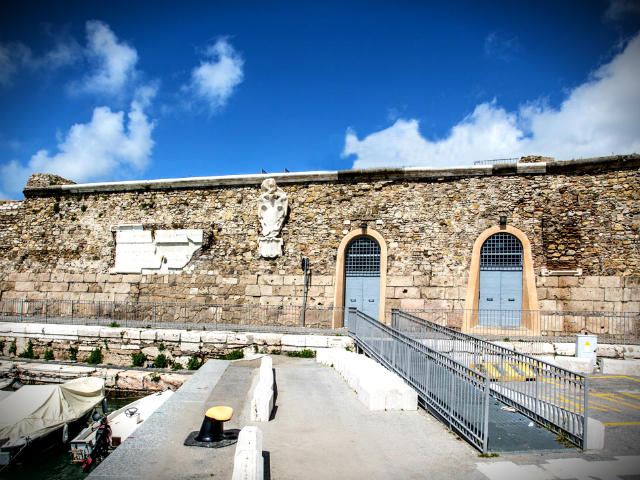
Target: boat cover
(36, 410)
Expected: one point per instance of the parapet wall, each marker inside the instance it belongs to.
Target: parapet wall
(579, 215)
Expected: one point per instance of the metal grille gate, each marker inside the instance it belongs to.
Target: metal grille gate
(500, 296)
(451, 391)
(362, 276)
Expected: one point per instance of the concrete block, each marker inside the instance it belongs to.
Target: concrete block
(248, 463)
(34, 329)
(316, 341)
(620, 367)
(267, 338)
(595, 434)
(583, 366)
(293, 340)
(131, 334)
(92, 331)
(565, 349)
(168, 335)
(372, 395)
(611, 351)
(190, 337)
(67, 331)
(238, 339)
(214, 337)
(148, 335)
(188, 347)
(109, 332)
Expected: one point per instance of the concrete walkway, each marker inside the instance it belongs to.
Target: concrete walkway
(321, 431)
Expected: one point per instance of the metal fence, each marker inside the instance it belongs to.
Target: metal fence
(453, 392)
(496, 161)
(538, 325)
(550, 395)
(203, 316)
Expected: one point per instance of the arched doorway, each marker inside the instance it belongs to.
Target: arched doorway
(362, 276)
(500, 296)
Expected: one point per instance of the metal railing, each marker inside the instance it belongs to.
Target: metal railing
(453, 392)
(207, 316)
(496, 161)
(538, 325)
(548, 394)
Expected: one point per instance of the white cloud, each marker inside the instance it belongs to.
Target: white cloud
(599, 117)
(106, 146)
(216, 78)
(113, 61)
(619, 9)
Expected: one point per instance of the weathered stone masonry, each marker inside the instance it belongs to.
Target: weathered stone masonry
(585, 214)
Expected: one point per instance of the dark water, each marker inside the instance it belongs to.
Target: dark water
(55, 464)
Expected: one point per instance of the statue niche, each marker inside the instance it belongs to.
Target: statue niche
(272, 209)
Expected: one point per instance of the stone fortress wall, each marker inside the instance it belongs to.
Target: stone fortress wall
(581, 214)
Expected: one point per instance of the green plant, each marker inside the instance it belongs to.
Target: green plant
(193, 363)
(161, 347)
(56, 207)
(138, 359)
(347, 349)
(563, 438)
(83, 208)
(73, 353)
(233, 355)
(155, 378)
(177, 366)
(48, 355)
(28, 351)
(488, 455)
(114, 325)
(95, 357)
(12, 348)
(255, 349)
(276, 352)
(161, 361)
(506, 339)
(306, 353)
(1, 346)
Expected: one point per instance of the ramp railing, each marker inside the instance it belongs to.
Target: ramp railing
(550, 395)
(454, 393)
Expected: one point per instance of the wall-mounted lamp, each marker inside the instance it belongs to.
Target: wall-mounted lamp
(503, 220)
(363, 224)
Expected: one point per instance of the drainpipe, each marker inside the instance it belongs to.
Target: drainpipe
(305, 268)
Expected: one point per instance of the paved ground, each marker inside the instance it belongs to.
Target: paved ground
(320, 430)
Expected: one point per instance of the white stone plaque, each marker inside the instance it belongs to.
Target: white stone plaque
(137, 251)
(272, 210)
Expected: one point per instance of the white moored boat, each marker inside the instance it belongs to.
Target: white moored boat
(39, 417)
(123, 423)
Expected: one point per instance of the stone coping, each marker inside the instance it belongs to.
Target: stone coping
(615, 162)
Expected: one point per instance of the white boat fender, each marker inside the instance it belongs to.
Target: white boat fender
(65, 433)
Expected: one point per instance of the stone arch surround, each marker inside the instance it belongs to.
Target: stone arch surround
(338, 300)
(529, 292)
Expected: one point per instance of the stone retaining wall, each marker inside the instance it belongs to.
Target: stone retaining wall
(117, 344)
(581, 214)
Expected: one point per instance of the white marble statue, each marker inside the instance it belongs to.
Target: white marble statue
(272, 209)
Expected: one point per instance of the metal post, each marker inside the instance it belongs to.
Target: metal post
(485, 439)
(305, 268)
(585, 444)
(71, 312)
(21, 308)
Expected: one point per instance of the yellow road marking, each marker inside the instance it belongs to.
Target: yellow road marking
(606, 396)
(616, 376)
(591, 402)
(623, 423)
(631, 395)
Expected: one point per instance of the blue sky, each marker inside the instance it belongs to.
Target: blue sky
(116, 90)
